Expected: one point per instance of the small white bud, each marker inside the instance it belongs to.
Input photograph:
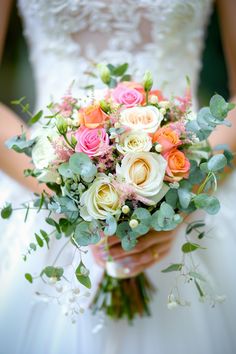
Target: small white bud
(163, 111)
(59, 288)
(133, 223)
(117, 125)
(171, 305)
(164, 104)
(220, 298)
(125, 209)
(84, 271)
(153, 99)
(69, 121)
(58, 180)
(52, 280)
(72, 299)
(158, 147)
(76, 291)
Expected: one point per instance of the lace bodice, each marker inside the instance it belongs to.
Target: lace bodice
(67, 37)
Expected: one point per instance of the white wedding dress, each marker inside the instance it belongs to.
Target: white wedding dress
(65, 38)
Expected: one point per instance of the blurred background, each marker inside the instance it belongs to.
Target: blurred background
(16, 79)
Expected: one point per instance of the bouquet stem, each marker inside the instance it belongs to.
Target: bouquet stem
(124, 298)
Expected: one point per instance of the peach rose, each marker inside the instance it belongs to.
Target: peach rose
(146, 119)
(178, 165)
(92, 116)
(167, 138)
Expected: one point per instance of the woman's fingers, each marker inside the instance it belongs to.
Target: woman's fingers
(144, 242)
(135, 268)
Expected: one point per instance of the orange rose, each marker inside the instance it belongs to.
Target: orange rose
(178, 165)
(167, 138)
(92, 116)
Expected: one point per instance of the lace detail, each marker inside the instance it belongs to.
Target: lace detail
(68, 36)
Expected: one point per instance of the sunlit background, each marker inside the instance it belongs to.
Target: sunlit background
(16, 78)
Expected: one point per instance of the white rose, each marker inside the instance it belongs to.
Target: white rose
(100, 200)
(134, 141)
(145, 171)
(43, 152)
(146, 118)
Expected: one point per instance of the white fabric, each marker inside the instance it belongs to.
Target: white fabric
(65, 38)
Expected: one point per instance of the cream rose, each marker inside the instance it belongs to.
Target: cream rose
(146, 118)
(43, 152)
(100, 200)
(145, 171)
(134, 141)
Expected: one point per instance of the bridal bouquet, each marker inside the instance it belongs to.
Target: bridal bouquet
(120, 162)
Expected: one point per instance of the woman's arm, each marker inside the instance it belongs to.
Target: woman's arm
(11, 162)
(227, 11)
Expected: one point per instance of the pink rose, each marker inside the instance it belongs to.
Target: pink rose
(93, 142)
(127, 96)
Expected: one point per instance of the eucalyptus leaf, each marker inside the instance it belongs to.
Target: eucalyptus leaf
(65, 171)
(111, 226)
(208, 203)
(173, 268)
(82, 274)
(53, 272)
(190, 247)
(6, 211)
(217, 162)
(184, 197)
(29, 277)
(81, 164)
(86, 233)
(35, 118)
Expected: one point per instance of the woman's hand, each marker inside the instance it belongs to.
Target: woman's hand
(150, 249)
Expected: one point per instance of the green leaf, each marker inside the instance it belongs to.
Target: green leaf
(81, 164)
(173, 268)
(217, 162)
(184, 197)
(52, 222)
(20, 144)
(45, 236)
(190, 247)
(126, 78)
(219, 107)
(39, 240)
(87, 233)
(208, 203)
(111, 226)
(35, 118)
(199, 289)
(65, 171)
(123, 229)
(144, 217)
(120, 70)
(129, 242)
(53, 272)
(29, 277)
(33, 246)
(19, 101)
(6, 211)
(194, 225)
(171, 197)
(82, 274)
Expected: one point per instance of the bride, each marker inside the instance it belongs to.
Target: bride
(65, 37)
